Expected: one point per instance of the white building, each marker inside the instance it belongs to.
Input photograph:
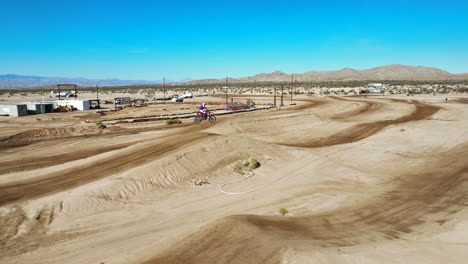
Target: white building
(75, 103)
(381, 85)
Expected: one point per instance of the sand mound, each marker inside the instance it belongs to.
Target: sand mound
(56, 132)
(300, 129)
(232, 239)
(361, 131)
(210, 159)
(428, 198)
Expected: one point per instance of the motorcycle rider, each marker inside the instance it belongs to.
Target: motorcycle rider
(203, 110)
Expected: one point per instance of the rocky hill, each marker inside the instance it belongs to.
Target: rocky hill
(22, 81)
(389, 72)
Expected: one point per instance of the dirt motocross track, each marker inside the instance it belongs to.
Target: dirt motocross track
(363, 179)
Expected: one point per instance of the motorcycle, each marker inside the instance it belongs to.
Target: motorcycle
(208, 115)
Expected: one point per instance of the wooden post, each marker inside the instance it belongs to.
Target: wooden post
(227, 91)
(291, 87)
(282, 95)
(274, 97)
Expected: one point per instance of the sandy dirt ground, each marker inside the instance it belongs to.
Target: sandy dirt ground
(365, 180)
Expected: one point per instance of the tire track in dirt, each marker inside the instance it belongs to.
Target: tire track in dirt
(259, 239)
(76, 176)
(432, 196)
(45, 161)
(369, 107)
(18, 140)
(52, 160)
(66, 179)
(361, 131)
(310, 103)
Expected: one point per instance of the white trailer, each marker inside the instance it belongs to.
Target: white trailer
(75, 103)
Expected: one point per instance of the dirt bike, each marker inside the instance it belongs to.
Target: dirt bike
(208, 115)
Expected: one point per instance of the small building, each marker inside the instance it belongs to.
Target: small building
(35, 108)
(122, 100)
(13, 109)
(80, 105)
(94, 103)
(381, 85)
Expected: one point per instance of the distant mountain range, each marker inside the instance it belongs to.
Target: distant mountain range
(389, 72)
(13, 80)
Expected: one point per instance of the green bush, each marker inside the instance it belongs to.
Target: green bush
(283, 211)
(100, 125)
(248, 164)
(250, 102)
(253, 163)
(237, 167)
(173, 121)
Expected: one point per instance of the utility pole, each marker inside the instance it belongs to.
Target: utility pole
(274, 96)
(164, 90)
(282, 95)
(292, 76)
(227, 87)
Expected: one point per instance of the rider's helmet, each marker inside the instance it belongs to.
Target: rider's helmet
(203, 104)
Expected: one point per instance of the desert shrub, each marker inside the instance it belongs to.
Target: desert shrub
(283, 211)
(38, 119)
(100, 125)
(248, 164)
(253, 163)
(237, 167)
(250, 102)
(173, 121)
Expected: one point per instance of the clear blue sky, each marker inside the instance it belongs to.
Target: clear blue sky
(212, 39)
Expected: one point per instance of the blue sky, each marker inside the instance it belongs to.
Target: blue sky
(213, 39)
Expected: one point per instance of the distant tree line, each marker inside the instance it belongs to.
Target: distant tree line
(397, 86)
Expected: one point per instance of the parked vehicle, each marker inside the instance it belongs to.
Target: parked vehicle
(177, 99)
(189, 95)
(122, 100)
(62, 94)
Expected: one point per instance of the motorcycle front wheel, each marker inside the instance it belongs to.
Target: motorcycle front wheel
(212, 119)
